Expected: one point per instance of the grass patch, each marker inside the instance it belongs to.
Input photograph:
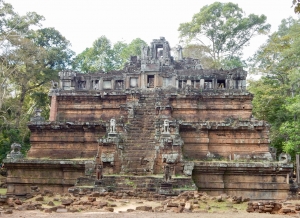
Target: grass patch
(46, 201)
(221, 206)
(3, 191)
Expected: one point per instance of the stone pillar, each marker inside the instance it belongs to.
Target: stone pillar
(113, 84)
(227, 83)
(127, 82)
(143, 81)
(239, 84)
(179, 53)
(139, 82)
(244, 84)
(101, 84)
(53, 108)
(201, 83)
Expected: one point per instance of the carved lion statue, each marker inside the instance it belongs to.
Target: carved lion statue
(15, 148)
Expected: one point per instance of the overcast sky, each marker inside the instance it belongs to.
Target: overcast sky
(83, 21)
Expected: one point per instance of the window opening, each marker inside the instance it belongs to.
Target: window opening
(133, 82)
(106, 84)
(150, 81)
(208, 84)
(182, 84)
(221, 84)
(119, 84)
(195, 84)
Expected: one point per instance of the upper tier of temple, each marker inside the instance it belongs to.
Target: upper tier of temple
(156, 68)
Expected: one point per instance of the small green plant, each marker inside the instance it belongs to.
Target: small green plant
(130, 183)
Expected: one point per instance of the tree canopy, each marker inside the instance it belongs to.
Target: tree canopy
(105, 56)
(30, 57)
(225, 30)
(277, 92)
(296, 5)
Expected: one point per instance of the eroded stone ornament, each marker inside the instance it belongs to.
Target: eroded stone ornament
(15, 152)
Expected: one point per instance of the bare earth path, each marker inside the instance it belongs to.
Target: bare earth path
(31, 214)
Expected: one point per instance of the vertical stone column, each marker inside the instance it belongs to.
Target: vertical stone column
(201, 83)
(127, 82)
(101, 84)
(113, 82)
(174, 81)
(53, 108)
(143, 81)
(139, 81)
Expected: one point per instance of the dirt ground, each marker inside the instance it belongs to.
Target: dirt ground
(223, 209)
(30, 214)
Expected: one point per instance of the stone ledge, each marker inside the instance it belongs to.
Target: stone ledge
(225, 164)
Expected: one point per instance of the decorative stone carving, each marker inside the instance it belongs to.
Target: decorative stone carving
(130, 112)
(167, 173)
(37, 116)
(99, 175)
(166, 127)
(170, 158)
(177, 140)
(285, 158)
(89, 168)
(15, 152)
(112, 126)
(188, 168)
(144, 52)
(108, 157)
(179, 53)
(54, 85)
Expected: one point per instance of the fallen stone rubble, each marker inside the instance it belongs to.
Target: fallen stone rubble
(273, 207)
(186, 202)
(49, 202)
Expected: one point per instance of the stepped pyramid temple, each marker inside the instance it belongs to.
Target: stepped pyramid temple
(160, 123)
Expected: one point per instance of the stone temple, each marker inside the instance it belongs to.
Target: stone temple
(158, 121)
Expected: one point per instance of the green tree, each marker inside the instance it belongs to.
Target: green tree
(98, 57)
(296, 5)
(30, 57)
(106, 57)
(224, 30)
(199, 52)
(277, 92)
(133, 49)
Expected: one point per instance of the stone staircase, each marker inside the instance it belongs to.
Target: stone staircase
(139, 152)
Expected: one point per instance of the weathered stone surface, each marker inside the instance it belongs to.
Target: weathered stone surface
(8, 211)
(171, 204)
(18, 202)
(66, 201)
(48, 210)
(110, 209)
(40, 198)
(154, 114)
(30, 207)
(144, 208)
(91, 199)
(50, 203)
(61, 210)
